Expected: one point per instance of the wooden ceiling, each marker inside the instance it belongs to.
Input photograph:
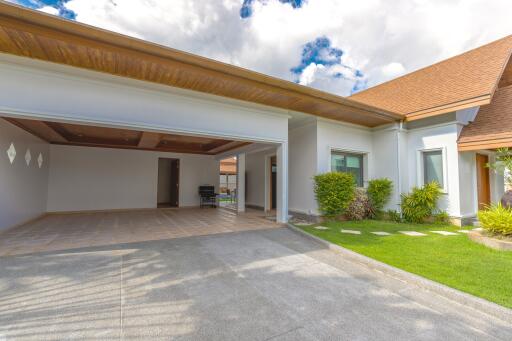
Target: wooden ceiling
(92, 136)
(33, 34)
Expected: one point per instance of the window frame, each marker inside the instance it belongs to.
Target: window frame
(421, 166)
(345, 153)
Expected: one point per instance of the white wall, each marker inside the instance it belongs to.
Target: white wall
(59, 92)
(385, 160)
(255, 178)
(468, 184)
(438, 137)
(85, 178)
(344, 137)
(23, 189)
(302, 168)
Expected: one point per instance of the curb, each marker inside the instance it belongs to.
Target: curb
(476, 303)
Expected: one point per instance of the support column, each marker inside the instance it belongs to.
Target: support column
(282, 182)
(240, 182)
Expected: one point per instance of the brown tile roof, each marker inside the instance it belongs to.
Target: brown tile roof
(492, 127)
(462, 81)
(228, 166)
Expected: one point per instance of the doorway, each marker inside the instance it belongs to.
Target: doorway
(482, 181)
(168, 182)
(273, 183)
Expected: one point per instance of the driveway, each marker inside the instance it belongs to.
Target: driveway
(250, 285)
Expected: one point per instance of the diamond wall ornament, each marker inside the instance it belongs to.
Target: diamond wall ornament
(40, 160)
(11, 153)
(28, 157)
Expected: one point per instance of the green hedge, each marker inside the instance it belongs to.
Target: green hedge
(379, 192)
(497, 219)
(334, 191)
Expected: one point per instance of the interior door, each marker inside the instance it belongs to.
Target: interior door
(482, 179)
(273, 170)
(175, 183)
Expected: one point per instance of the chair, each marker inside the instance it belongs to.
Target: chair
(207, 196)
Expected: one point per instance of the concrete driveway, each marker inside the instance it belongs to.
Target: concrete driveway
(253, 285)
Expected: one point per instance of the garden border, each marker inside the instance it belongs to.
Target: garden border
(455, 295)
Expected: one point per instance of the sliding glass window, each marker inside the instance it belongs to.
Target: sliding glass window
(348, 163)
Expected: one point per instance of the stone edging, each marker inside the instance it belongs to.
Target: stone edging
(455, 295)
(497, 244)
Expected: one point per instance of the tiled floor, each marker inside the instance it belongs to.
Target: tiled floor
(67, 231)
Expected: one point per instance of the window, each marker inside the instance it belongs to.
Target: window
(433, 167)
(349, 163)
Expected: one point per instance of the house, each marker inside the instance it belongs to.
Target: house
(88, 115)
(227, 174)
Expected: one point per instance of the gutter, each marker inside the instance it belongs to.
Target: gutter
(398, 156)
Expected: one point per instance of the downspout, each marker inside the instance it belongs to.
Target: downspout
(399, 174)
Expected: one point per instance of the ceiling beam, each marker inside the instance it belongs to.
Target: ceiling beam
(149, 140)
(39, 129)
(227, 146)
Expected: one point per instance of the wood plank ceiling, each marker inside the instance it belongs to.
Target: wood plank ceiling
(92, 136)
(36, 35)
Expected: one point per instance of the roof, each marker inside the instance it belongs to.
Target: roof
(492, 127)
(228, 166)
(463, 81)
(33, 34)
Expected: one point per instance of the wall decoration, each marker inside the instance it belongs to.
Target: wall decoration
(11, 153)
(40, 160)
(28, 157)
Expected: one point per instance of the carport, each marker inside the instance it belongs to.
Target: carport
(87, 129)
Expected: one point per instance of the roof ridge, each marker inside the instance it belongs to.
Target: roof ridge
(509, 36)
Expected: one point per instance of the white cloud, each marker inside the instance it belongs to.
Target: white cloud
(392, 70)
(49, 10)
(382, 38)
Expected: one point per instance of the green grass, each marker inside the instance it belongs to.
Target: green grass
(455, 261)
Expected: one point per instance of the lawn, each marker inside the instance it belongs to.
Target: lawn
(455, 261)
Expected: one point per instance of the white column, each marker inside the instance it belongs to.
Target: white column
(282, 182)
(240, 182)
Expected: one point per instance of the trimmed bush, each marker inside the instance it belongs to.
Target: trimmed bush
(394, 215)
(497, 219)
(360, 208)
(379, 192)
(334, 191)
(420, 203)
(441, 217)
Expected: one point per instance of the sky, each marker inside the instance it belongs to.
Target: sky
(339, 46)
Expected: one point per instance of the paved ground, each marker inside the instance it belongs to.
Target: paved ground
(68, 231)
(253, 285)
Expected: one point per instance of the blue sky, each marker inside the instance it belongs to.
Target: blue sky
(337, 46)
(58, 5)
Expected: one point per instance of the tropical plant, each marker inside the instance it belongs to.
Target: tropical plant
(441, 217)
(334, 191)
(503, 161)
(496, 219)
(360, 208)
(379, 192)
(394, 215)
(420, 203)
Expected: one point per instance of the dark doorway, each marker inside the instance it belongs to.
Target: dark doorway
(482, 181)
(273, 184)
(168, 182)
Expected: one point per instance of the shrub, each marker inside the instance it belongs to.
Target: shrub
(441, 217)
(334, 191)
(360, 208)
(420, 203)
(394, 215)
(497, 219)
(379, 192)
